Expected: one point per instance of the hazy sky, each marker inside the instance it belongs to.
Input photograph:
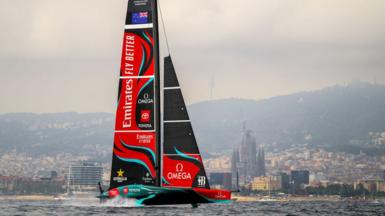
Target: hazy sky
(63, 55)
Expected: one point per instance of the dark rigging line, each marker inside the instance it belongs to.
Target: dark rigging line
(164, 28)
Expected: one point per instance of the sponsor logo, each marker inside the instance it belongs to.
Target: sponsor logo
(201, 181)
(139, 18)
(145, 126)
(129, 55)
(125, 190)
(220, 195)
(145, 116)
(179, 174)
(113, 193)
(146, 99)
(140, 2)
(145, 138)
(120, 178)
(179, 167)
(135, 190)
(147, 178)
(127, 122)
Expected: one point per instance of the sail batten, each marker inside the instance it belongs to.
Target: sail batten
(172, 88)
(136, 77)
(177, 121)
(139, 26)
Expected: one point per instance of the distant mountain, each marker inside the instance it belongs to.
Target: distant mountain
(45, 134)
(345, 118)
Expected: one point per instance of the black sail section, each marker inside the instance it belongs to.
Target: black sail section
(182, 163)
(175, 108)
(136, 152)
(170, 78)
(174, 105)
(179, 136)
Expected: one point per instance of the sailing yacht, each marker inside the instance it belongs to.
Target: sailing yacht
(156, 159)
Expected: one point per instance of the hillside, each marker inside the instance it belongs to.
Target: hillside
(339, 117)
(345, 118)
(47, 134)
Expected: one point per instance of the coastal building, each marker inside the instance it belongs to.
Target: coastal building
(220, 163)
(371, 185)
(266, 183)
(299, 178)
(47, 175)
(284, 181)
(380, 186)
(383, 175)
(11, 185)
(8, 184)
(84, 176)
(220, 180)
(260, 184)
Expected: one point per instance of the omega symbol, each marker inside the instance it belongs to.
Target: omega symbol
(179, 167)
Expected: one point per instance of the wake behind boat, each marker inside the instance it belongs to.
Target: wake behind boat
(151, 166)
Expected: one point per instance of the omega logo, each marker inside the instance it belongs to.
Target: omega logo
(179, 174)
(146, 99)
(179, 167)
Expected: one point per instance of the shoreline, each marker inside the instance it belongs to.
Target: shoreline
(284, 199)
(58, 198)
(235, 198)
(28, 198)
(299, 199)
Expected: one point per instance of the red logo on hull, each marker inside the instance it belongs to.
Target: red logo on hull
(179, 174)
(145, 116)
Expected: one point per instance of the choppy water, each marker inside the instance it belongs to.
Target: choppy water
(240, 209)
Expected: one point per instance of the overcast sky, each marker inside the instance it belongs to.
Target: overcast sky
(63, 55)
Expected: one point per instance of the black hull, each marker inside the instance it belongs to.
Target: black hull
(177, 198)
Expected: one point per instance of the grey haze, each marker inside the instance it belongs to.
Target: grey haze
(60, 55)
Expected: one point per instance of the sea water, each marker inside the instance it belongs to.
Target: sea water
(69, 207)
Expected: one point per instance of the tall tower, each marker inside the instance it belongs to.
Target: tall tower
(235, 167)
(212, 86)
(244, 160)
(261, 167)
(383, 175)
(247, 155)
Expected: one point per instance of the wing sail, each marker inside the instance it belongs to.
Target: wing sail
(182, 161)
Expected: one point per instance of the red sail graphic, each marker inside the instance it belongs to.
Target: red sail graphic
(180, 173)
(137, 54)
(136, 96)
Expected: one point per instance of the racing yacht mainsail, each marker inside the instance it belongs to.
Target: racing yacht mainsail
(144, 168)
